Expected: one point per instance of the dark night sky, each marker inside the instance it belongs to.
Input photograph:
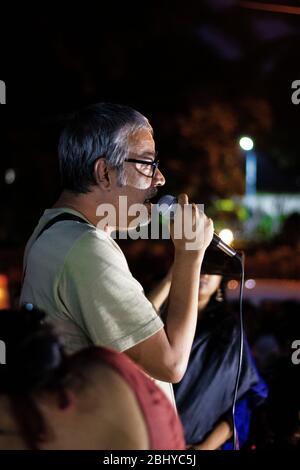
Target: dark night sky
(161, 58)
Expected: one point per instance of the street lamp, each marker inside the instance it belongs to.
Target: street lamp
(247, 144)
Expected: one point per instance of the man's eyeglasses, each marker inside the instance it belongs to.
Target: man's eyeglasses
(145, 167)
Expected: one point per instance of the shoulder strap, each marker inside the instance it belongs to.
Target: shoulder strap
(58, 218)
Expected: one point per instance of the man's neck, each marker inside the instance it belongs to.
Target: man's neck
(86, 204)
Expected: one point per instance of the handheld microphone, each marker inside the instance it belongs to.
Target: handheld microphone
(165, 207)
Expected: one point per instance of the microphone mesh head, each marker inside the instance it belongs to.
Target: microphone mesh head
(165, 204)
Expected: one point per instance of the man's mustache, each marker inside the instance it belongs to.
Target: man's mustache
(152, 193)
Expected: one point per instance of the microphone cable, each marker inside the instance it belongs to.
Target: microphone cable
(236, 445)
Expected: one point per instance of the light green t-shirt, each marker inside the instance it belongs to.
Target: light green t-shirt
(79, 276)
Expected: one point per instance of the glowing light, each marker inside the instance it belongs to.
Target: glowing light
(226, 235)
(250, 284)
(4, 294)
(232, 284)
(10, 176)
(246, 143)
(28, 307)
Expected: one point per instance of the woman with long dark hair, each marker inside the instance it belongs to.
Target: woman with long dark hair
(204, 396)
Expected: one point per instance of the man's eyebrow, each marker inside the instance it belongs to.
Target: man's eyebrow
(151, 155)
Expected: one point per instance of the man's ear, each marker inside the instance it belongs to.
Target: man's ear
(102, 174)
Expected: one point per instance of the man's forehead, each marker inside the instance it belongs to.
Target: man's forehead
(141, 141)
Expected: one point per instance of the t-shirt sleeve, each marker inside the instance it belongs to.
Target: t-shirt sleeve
(102, 296)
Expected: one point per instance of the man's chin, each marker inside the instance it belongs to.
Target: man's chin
(135, 224)
(143, 219)
(141, 223)
(148, 206)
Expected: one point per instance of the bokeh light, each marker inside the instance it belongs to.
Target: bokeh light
(246, 143)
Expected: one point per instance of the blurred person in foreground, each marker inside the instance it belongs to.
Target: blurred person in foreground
(204, 395)
(94, 399)
(77, 273)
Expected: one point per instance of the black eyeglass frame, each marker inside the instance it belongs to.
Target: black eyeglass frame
(154, 164)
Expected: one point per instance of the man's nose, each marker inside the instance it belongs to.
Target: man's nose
(158, 178)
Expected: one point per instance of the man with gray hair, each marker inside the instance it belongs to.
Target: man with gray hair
(76, 272)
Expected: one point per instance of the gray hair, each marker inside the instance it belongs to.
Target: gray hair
(100, 130)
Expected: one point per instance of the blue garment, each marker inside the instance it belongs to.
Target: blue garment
(204, 395)
(243, 411)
